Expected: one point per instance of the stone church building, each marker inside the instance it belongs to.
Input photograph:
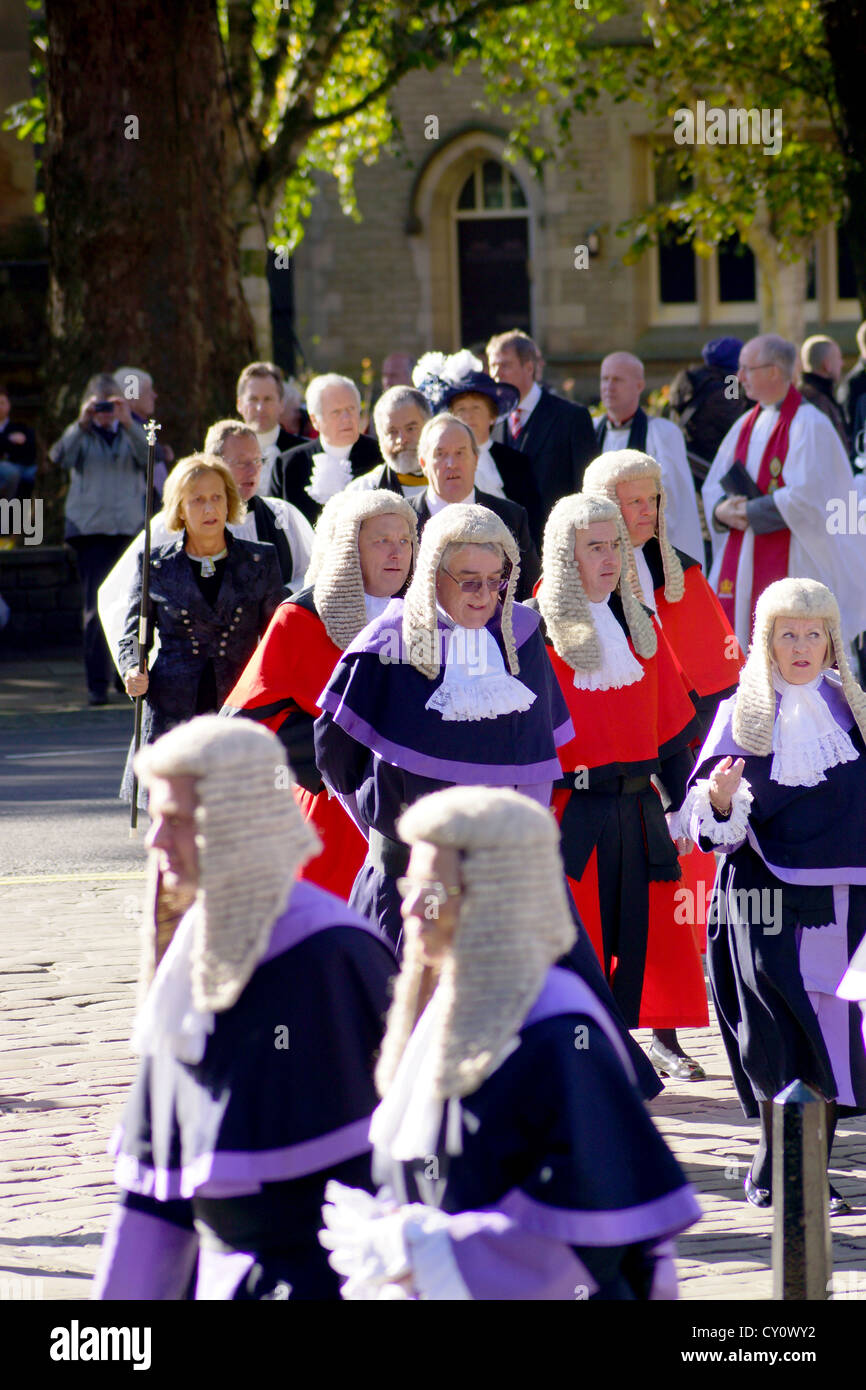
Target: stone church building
(456, 243)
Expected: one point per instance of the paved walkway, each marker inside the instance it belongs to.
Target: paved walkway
(68, 962)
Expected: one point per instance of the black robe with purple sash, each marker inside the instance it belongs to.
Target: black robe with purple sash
(562, 1188)
(222, 1165)
(381, 749)
(801, 868)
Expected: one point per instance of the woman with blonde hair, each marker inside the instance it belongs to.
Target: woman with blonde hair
(211, 598)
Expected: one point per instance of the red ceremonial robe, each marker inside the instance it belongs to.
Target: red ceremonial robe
(288, 670)
(707, 649)
(621, 863)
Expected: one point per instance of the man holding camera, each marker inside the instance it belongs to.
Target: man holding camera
(104, 454)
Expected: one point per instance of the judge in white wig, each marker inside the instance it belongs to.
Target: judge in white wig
(267, 988)
(780, 791)
(668, 580)
(450, 684)
(516, 1156)
(634, 722)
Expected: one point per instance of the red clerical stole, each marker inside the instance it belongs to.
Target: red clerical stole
(770, 559)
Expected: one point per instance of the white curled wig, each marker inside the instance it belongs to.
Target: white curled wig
(514, 924)
(627, 466)
(458, 524)
(755, 702)
(562, 598)
(338, 586)
(251, 840)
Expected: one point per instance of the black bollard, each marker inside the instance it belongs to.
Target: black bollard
(802, 1250)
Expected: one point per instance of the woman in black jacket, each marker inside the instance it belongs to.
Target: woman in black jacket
(211, 598)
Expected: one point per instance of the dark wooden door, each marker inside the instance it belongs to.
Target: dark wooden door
(493, 258)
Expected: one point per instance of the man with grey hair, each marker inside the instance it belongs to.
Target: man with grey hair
(770, 492)
(256, 1035)
(399, 416)
(626, 425)
(137, 387)
(312, 472)
(448, 458)
(820, 374)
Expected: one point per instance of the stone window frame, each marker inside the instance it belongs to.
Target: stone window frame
(431, 226)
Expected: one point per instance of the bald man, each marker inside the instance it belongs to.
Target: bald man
(820, 374)
(625, 425)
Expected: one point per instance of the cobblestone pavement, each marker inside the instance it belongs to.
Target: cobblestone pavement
(68, 962)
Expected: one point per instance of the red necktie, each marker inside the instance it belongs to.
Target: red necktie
(515, 421)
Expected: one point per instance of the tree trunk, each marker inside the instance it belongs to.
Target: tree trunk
(845, 30)
(781, 285)
(145, 268)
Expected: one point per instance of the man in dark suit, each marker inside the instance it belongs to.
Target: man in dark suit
(259, 402)
(311, 473)
(556, 435)
(448, 455)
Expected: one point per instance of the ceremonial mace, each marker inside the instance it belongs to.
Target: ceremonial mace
(150, 430)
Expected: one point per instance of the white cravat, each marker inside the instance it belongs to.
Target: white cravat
(476, 684)
(618, 666)
(332, 471)
(487, 475)
(806, 738)
(168, 1021)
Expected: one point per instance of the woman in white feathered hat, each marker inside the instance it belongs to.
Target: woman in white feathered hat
(780, 790)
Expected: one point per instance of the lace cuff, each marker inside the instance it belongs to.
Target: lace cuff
(697, 818)
(435, 1274)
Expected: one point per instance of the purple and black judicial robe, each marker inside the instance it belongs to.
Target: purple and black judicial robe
(787, 914)
(378, 746)
(223, 1164)
(563, 1188)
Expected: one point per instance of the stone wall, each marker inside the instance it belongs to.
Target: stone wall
(41, 586)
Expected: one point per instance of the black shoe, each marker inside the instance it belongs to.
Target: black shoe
(98, 697)
(671, 1064)
(838, 1204)
(758, 1196)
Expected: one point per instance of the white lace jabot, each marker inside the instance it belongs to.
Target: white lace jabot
(169, 1022)
(330, 475)
(476, 684)
(806, 738)
(618, 665)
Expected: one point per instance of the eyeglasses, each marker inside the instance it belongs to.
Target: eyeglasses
(474, 586)
(432, 888)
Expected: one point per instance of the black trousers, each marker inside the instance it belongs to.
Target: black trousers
(96, 555)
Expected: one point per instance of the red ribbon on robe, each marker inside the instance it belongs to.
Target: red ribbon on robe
(770, 560)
